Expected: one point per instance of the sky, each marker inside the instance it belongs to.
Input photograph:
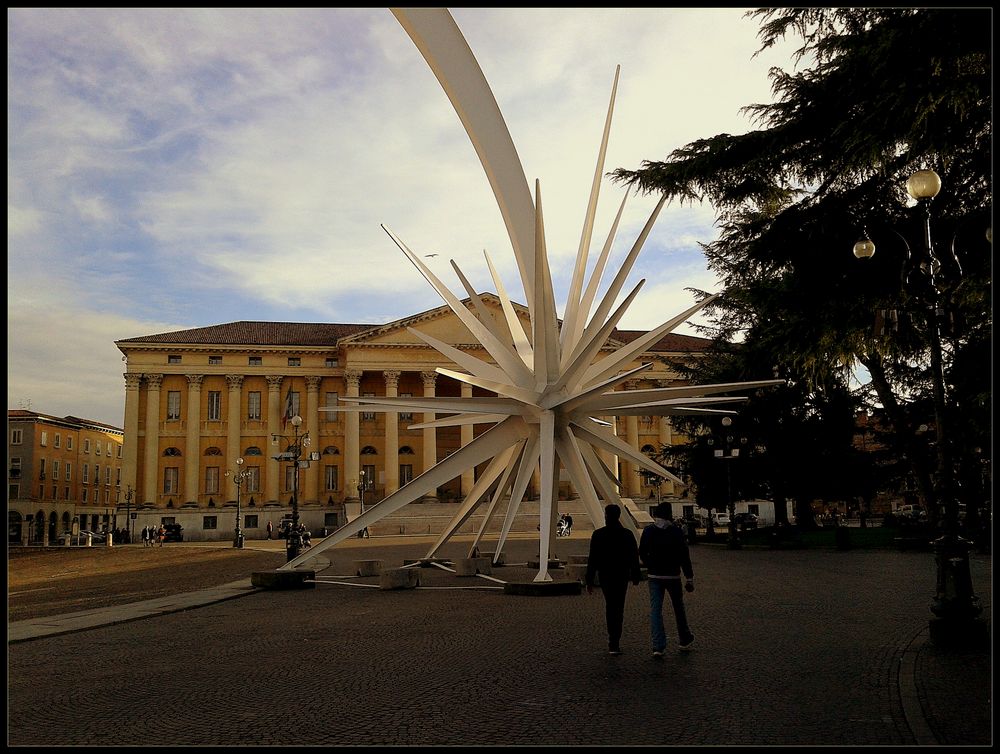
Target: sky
(179, 168)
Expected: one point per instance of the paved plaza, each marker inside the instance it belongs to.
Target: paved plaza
(795, 647)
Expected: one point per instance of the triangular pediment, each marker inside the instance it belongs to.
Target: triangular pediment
(441, 323)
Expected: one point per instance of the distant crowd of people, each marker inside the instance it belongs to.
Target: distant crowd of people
(151, 535)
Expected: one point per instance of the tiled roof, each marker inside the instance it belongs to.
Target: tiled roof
(258, 334)
(327, 334)
(669, 342)
(20, 413)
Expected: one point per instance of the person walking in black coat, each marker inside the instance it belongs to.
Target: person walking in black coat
(664, 551)
(614, 560)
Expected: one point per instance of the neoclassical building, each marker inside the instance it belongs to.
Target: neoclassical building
(197, 400)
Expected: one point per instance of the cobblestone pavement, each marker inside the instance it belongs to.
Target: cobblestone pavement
(800, 647)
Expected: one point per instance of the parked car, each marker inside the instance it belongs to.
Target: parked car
(746, 520)
(173, 533)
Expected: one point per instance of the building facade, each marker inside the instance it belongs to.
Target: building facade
(61, 473)
(197, 400)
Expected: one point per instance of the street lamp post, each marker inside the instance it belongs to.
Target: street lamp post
(293, 539)
(366, 482)
(239, 475)
(956, 607)
(128, 513)
(730, 453)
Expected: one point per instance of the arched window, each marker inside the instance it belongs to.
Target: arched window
(368, 450)
(171, 452)
(406, 450)
(253, 450)
(213, 451)
(648, 450)
(329, 450)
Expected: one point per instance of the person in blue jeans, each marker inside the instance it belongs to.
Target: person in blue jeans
(664, 551)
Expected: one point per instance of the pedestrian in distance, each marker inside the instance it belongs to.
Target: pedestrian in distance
(663, 549)
(614, 560)
(145, 536)
(270, 528)
(161, 535)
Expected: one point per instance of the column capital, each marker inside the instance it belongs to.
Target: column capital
(353, 378)
(194, 380)
(132, 380)
(312, 383)
(153, 381)
(429, 378)
(234, 381)
(391, 377)
(274, 382)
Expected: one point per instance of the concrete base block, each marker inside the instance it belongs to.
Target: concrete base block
(426, 562)
(399, 578)
(577, 559)
(578, 571)
(473, 566)
(284, 579)
(554, 563)
(543, 588)
(368, 567)
(496, 561)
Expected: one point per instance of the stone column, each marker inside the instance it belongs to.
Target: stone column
(352, 438)
(192, 447)
(631, 481)
(468, 477)
(312, 427)
(430, 433)
(130, 442)
(150, 467)
(391, 434)
(234, 427)
(271, 484)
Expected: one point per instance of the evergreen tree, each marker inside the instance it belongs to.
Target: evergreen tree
(882, 92)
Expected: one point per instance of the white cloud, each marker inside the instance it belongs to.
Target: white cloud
(199, 166)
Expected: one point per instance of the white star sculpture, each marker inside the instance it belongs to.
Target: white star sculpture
(550, 390)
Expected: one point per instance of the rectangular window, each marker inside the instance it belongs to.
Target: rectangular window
(118, 476)
(212, 480)
(44, 439)
(251, 522)
(210, 522)
(368, 416)
(13, 491)
(108, 446)
(170, 480)
(294, 361)
(15, 437)
(214, 405)
(214, 359)
(253, 405)
(85, 491)
(86, 473)
(330, 520)
(173, 359)
(173, 405)
(69, 471)
(69, 442)
(369, 477)
(97, 448)
(65, 493)
(55, 469)
(86, 445)
(119, 451)
(107, 475)
(256, 361)
(331, 402)
(253, 479)
(41, 468)
(405, 473)
(55, 492)
(15, 466)
(107, 495)
(57, 441)
(331, 478)
(332, 361)
(290, 477)
(97, 473)
(406, 416)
